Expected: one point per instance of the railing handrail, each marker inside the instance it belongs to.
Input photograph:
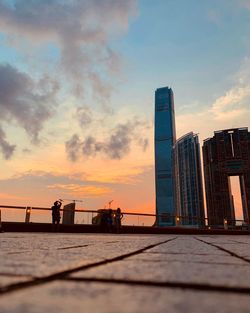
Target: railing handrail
(125, 213)
(76, 210)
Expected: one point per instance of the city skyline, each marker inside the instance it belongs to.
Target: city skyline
(76, 98)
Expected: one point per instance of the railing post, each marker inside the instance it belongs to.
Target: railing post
(1, 229)
(225, 224)
(27, 214)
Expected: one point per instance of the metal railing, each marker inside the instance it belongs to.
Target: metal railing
(28, 214)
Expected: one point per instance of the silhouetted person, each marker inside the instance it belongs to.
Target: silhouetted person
(118, 220)
(56, 216)
(103, 223)
(106, 221)
(110, 220)
(1, 226)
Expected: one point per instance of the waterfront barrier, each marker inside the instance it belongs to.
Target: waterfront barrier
(42, 215)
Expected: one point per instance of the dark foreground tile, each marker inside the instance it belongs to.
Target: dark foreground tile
(67, 297)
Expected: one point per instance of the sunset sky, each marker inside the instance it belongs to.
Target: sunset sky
(77, 82)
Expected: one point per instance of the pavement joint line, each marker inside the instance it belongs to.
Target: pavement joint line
(15, 275)
(19, 252)
(72, 247)
(242, 243)
(181, 253)
(59, 275)
(179, 285)
(225, 250)
(63, 248)
(46, 249)
(181, 261)
(113, 241)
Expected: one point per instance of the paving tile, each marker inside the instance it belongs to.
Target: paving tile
(186, 244)
(225, 238)
(240, 247)
(39, 264)
(139, 270)
(189, 258)
(34, 241)
(183, 260)
(216, 238)
(237, 248)
(65, 297)
(6, 280)
(45, 254)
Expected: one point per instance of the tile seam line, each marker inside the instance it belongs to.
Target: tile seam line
(39, 281)
(72, 247)
(188, 262)
(174, 285)
(225, 250)
(15, 275)
(240, 242)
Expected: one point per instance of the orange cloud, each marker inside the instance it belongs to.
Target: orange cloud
(79, 190)
(7, 196)
(117, 174)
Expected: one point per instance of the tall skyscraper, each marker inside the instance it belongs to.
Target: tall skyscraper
(165, 136)
(226, 154)
(189, 191)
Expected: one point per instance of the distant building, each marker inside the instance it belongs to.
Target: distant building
(165, 136)
(226, 154)
(69, 213)
(189, 191)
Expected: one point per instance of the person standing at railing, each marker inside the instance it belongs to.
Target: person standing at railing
(109, 221)
(56, 217)
(1, 228)
(118, 220)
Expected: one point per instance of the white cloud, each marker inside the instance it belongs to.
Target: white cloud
(245, 3)
(235, 101)
(231, 105)
(227, 111)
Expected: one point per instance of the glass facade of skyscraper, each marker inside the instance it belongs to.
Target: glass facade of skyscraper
(188, 178)
(165, 136)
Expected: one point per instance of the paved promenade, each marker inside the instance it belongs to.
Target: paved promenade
(124, 273)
